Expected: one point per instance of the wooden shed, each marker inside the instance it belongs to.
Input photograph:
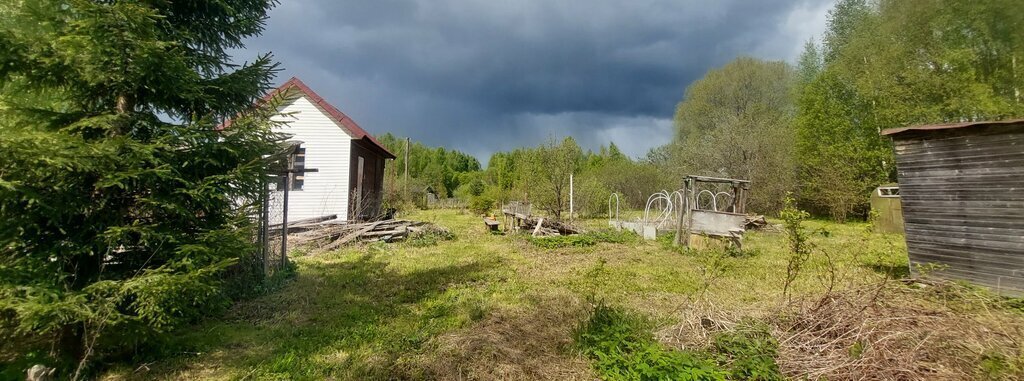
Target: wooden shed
(962, 191)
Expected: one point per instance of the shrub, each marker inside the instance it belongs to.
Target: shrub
(481, 204)
(622, 348)
(748, 353)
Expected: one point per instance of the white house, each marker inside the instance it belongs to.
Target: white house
(349, 162)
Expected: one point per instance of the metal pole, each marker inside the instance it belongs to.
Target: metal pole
(284, 220)
(265, 226)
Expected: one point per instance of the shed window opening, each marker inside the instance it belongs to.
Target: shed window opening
(888, 191)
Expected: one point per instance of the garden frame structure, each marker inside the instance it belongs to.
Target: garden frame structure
(725, 224)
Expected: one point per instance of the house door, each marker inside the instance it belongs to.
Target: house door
(359, 188)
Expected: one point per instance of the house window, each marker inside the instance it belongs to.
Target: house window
(296, 165)
(299, 165)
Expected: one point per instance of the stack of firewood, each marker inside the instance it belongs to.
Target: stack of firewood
(328, 234)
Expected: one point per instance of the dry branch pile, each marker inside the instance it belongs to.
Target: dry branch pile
(927, 331)
(324, 235)
(892, 331)
(549, 227)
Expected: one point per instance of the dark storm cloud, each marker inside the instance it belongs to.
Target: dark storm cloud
(482, 76)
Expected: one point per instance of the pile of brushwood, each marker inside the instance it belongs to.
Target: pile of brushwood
(319, 235)
(548, 228)
(898, 330)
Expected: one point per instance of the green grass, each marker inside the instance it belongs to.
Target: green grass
(387, 311)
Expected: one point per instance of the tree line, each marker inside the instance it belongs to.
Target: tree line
(813, 129)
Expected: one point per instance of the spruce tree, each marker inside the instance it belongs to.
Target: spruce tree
(122, 201)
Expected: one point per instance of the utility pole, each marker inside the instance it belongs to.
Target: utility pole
(406, 168)
(570, 197)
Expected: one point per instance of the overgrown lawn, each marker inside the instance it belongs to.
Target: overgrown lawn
(487, 306)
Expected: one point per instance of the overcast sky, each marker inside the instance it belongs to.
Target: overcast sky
(487, 75)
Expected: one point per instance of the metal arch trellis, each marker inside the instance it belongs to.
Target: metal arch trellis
(614, 196)
(708, 197)
(728, 197)
(662, 208)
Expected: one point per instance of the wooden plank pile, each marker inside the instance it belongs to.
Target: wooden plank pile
(323, 235)
(754, 222)
(758, 222)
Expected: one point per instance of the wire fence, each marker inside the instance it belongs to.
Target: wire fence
(272, 220)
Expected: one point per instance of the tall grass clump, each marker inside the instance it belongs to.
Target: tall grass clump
(622, 348)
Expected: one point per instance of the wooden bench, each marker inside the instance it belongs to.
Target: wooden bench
(492, 225)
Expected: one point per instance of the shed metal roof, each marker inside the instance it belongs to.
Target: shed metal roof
(947, 126)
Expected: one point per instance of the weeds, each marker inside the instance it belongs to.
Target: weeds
(429, 237)
(749, 352)
(622, 348)
(713, 265)
(585, 240)
(557, 242)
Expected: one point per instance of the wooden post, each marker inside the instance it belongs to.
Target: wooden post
(691, 203)
(682, 212)
(735, 197)
(741, 198)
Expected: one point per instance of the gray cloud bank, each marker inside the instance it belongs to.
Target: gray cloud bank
(482, 76)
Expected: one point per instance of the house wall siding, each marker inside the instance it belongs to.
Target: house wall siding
(328, 148)
(963, 202)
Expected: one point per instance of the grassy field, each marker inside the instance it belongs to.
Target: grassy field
(485, 306)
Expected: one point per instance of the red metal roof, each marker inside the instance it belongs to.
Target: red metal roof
(336, 115)
(947, 126)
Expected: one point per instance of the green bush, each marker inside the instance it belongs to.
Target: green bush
(748, 353)
(481, 204)
(622, 348)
